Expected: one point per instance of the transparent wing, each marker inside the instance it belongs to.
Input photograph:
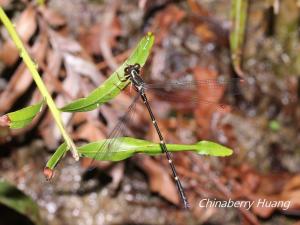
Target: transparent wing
(190, 100)
(188, 83)
(187, 93)
(115, 138)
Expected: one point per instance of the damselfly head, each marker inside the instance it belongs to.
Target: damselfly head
(127, 70)
(136, 67)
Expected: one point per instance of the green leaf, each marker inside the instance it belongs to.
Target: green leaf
(13, 198)
(274, 125)
(130, 146)
(113, 85)
(20, 124)
(239, 9)
(59, 153)
(23, 117)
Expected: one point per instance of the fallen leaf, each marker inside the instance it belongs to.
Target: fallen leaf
(25, 26)
(206, 34)
(80, 66)
(4, 3)
(117, 174)
(197, 8)
(52, 17)
(22, 79)
(90, 37)
(204, 112)
(164, 20)
(64, 44)
(90, 132)
(160, 180)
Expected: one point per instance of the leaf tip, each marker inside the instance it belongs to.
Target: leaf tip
(49, 173)
(228, 152)
(5, 121)
(149, 34)
(213, 149)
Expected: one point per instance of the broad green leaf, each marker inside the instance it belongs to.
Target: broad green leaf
(130, 146)
(239, 9)
(23, 117)
(20, 124)
(59, 153)
(15, 199)
(113, 85)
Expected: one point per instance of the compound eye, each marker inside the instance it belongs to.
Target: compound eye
(137, 66)
(126, 70)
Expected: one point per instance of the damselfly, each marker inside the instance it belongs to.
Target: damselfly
(132, 73)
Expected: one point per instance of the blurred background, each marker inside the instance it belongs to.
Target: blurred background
(78, 44)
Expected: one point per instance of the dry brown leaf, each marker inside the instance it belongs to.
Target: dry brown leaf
(89, 39)
(46, 131)
(4, 3)
(90, 132)
(117, 173)
(5, 134)
(54, 60)
(266, 212)
(294, 197)
(17, 85)
(22, 79)
(25, 26)
(80, 66)
(64, 44)
(263, 212)
(106, 35)
(52, 17)
(204, 111)
(293, 184)
(209, 30)
(150, 5)
(205, 33)
(249, 184)
(164, 19)
(88, 163)
(160, 180)
(51, 71)
(90, 36)
(79, 118)
(197, 8)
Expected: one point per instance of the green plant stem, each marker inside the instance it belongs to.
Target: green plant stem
(40, 2)
(32, 67)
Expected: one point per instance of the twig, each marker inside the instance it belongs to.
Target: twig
(32, 67)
